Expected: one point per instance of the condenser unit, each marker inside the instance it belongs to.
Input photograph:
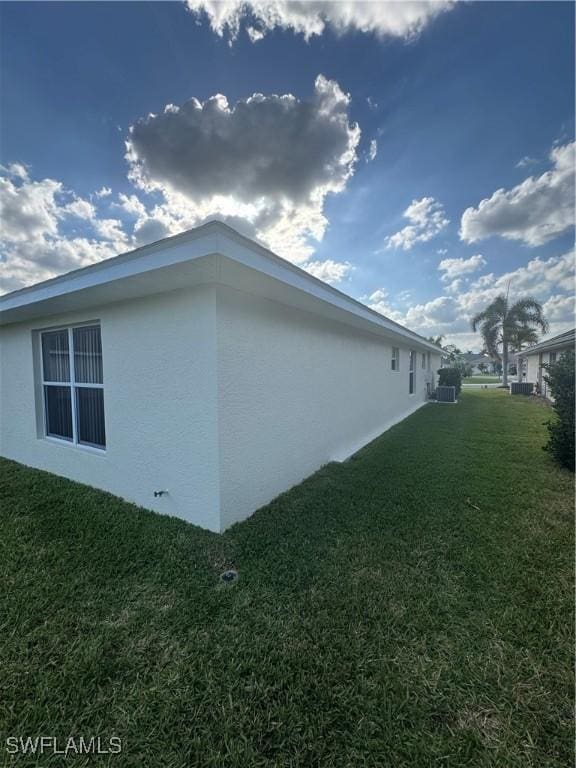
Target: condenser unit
(446, 394)
(521, 388)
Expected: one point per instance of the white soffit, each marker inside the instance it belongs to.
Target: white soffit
(189, 259)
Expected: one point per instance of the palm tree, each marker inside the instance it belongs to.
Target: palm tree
(523, 336)
(452, 352)
(436, 340)
(502, 325)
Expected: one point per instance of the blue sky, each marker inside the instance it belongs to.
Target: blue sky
(428, 115)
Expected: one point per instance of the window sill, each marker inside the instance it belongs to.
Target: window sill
(78, 446)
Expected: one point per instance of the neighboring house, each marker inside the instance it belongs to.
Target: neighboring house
(474, 360)
(532, 359)
(199, 376)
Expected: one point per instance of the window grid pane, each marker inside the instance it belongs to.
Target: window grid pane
(55, 356)
(90, 416)
(87, 355)
(412, 372)
(58, 405)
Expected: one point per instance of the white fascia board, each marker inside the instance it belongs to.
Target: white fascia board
(212, 238)
(250, 254)
(174, 250)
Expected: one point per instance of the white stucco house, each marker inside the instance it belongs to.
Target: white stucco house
(199, 376)
(532, 359)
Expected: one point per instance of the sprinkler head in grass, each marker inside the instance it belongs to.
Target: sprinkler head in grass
(229, 577)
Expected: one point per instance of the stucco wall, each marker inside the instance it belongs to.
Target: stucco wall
(535, 374)
(295, 392)
(532, 369)
(221, 397)
(159, 360)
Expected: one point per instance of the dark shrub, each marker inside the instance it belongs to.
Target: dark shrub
(560, 377)
(450, 377)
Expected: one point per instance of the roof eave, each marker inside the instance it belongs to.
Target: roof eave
(213, 238)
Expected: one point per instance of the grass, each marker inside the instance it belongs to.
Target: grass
(482, 379)
(411, 607)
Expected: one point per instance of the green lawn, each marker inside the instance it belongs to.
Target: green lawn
(411, 607)
(483, 379)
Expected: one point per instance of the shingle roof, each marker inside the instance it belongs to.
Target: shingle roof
(566, 339)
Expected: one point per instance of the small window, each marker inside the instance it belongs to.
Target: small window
(412, 373)
(423, 361)
(395, 359)
(428, 360)
(552, 357)
(72, 385)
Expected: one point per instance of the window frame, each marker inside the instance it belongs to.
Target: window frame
(412, 367)
(395, 359)
(423, 361)
(72, 385)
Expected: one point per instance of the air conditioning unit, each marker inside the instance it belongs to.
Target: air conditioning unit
(446, 394)
(521, 388)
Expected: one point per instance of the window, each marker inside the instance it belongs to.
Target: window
(72, 385)
(412, 373)
(552, 357)
(423, 361)
(428, 360)
(395, 359)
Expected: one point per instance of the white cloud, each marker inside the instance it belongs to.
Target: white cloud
(526, 161)
(438, 312)
(539, 278)
(107, 229)
(35, 215)
(551, 281)
(132, 205)
(237, 163)
(80, 208)
(534, 212)
(378, 301)
(395, 19)
(28, 209)
(427, 219)
(455, 286)
(329, 271)
(110, 229)
(16, 170)
(453, 268)
(373, 151)
(242, 161)
(560, 309)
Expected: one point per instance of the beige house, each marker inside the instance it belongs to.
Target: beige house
(534, 358)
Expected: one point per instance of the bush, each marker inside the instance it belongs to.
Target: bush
(464, 368)
(450, 377)
(560, 377)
